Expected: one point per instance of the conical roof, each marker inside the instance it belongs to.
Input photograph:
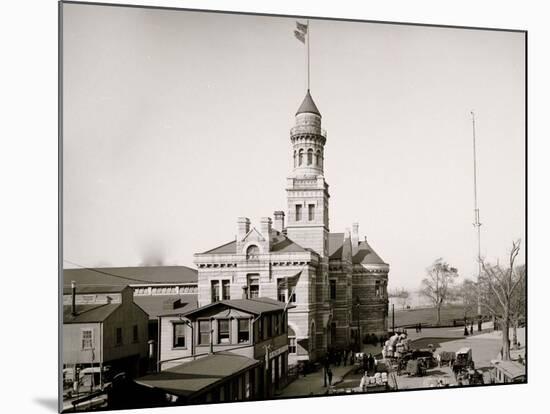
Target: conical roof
(308, 105)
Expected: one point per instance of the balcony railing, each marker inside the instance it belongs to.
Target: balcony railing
(308, 129)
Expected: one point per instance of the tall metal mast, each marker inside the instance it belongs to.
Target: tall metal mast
(477, 224)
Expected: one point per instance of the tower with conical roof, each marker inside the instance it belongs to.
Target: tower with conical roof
(307, 191)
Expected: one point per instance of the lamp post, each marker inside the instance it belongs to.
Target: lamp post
(393, 317)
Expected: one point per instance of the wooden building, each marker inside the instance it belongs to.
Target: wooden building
(105, 329)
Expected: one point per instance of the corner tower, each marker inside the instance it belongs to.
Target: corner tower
(307, 191)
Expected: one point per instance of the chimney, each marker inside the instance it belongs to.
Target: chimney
(245, 292)
(265, 229)
(279, 220)
(73, 298)
(355, 237)
(243, 227)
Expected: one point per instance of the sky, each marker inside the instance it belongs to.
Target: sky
(175, 123)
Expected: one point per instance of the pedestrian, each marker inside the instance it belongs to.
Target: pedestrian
(329, 373)
(472, 329)
(370, 363)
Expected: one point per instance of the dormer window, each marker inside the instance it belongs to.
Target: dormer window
(252, 252)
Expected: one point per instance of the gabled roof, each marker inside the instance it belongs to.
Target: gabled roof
(156, 305)
(308, 106)
(89, 313)
(253, 306)
(280, 243)
(122, 276)
(191, 377)
(335, 245)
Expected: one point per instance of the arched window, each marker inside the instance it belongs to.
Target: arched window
(309, 156)
(318, 158)
(252, 252)
(294, 159)
(300, 157)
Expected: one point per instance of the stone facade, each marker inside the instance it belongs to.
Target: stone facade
(336, 283)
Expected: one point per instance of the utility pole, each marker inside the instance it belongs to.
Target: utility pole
(393, 317)
(477, 225)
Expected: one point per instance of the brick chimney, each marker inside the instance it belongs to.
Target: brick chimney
(279, 220)
(355, 237)
(243, 227)
(265, 229)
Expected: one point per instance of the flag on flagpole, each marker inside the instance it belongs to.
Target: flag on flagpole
(300, 36)
(301, 27)
(301, 32)
(291, 283)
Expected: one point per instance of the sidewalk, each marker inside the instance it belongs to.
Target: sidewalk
(313, 384)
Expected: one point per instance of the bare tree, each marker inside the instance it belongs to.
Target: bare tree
(518, 305)
(501, 294)
(436, 287)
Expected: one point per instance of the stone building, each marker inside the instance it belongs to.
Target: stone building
(336, 282)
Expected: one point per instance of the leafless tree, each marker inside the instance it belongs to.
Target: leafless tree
(501, 294)
(436, 286)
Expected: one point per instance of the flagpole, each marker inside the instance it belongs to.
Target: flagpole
(308, 29)
(477, 224)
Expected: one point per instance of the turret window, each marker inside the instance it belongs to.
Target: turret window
(294, 159)
(309, 156)
(318, 159)
(300, 157)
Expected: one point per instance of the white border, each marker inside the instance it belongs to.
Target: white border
(29, 203)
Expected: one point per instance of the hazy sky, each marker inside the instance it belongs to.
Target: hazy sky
(176, 123)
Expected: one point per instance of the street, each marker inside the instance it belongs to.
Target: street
(485, 347)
